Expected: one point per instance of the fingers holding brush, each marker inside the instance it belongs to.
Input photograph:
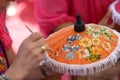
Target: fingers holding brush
(45, 47)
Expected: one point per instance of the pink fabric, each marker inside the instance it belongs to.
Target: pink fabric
(4, 35)
(65, 77)
(117, 7)
(50, 13)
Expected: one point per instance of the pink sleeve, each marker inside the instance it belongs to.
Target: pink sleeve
(4, 34)
(51, 13)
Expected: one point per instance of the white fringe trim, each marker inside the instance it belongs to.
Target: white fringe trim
(86, 69)
(115, 14)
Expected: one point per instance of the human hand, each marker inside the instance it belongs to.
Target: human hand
(29, 56)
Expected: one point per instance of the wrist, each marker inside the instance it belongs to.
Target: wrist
(3, 77)
(63, 25)
(12, 76)
(15, 74)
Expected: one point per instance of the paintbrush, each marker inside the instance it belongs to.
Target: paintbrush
(29, 29)
(32, 33)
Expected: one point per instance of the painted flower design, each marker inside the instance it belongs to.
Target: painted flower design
(82, 54)
(91, 47)
(94, 31)
(107, 34)
(94, 49)
(106, 46)
(96, 41)
(85, 42)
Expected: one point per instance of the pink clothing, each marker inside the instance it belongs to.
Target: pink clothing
(5, 43)
(51, 13)
(4, 34)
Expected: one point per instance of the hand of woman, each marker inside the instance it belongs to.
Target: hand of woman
(29, 56)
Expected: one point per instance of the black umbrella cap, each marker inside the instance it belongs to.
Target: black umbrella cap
(79, 25)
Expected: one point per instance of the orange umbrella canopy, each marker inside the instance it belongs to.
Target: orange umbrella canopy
(94, 44)
(77, 52)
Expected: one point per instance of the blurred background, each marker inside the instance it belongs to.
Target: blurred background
(19, 14)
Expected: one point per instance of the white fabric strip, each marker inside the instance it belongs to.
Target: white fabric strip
(115, 14)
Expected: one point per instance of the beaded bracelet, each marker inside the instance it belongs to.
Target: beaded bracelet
(3, 77)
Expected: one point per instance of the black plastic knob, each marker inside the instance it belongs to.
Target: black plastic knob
(79, 25)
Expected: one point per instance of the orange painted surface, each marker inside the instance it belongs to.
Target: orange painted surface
(58, 40)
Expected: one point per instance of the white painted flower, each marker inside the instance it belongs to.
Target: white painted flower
(85, 42)
(96, 41)
(106, 46)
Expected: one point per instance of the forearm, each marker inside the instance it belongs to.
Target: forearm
(37, 74)
(63, 25)
(14, 74)
(34, 74)
(10, 55)
(116, 27)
